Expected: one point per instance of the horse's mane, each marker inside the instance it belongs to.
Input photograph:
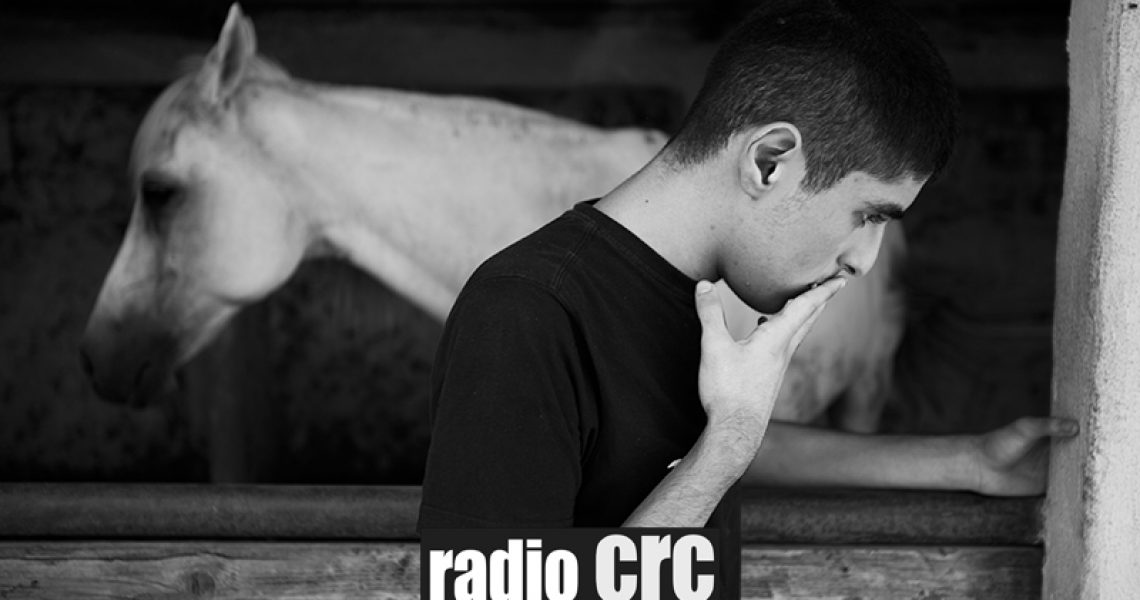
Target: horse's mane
(182, 98)
(258, 67)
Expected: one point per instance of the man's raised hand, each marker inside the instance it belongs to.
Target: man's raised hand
(739, 381)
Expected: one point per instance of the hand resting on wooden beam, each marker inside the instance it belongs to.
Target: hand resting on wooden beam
(1009, 461)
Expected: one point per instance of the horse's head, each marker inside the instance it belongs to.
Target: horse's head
(210, 230)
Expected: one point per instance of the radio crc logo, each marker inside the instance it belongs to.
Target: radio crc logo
(569, 564)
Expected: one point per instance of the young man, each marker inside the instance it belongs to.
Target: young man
(578, 365)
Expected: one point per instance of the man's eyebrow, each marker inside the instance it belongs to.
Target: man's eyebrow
(887, 209)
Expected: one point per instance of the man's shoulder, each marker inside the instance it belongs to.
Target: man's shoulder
(540, 260)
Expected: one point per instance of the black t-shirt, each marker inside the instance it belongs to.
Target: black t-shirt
(565, 385)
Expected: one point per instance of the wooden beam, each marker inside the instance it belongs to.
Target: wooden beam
(151, 511)
(439, 48)
(146, 511)
(223, 570)
(216, 570)
(1093, 509)
(805, 516)
(226, 389)
(890, 573)
(401, 50)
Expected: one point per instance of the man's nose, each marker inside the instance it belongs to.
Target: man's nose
(861, 257)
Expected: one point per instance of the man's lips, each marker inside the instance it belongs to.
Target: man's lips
(825, 280)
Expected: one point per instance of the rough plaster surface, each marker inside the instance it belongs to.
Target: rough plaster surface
(1093, 512)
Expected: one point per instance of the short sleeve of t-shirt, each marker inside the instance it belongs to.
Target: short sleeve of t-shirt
(506, 445)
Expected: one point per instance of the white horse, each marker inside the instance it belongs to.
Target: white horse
(240, 172)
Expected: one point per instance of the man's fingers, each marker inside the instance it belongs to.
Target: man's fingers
(1061, 427)
(800, 311)
(802, 332)
(709, 310)
(1038, 427)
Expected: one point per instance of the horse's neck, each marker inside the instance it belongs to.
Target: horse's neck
(417, 190)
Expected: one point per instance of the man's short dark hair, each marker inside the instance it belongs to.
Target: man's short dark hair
(859, 78)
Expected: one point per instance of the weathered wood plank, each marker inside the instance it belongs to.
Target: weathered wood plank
(221, 570)
(891, 573)
(145, 511)
(226, 386)
(804, 516)
(208, 511)
(165, 570)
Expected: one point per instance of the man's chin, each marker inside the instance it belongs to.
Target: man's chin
(771, 305)
(774, 304)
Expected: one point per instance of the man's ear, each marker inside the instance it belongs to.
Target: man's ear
(773, 155)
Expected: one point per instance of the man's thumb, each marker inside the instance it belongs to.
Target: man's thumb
(709, 309)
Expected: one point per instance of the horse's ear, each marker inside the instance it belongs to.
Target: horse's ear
(226, 64)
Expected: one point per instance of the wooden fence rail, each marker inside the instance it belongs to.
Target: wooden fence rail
(170, 570)
(257, 541)
(769, 516)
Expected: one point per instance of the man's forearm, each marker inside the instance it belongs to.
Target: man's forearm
(689, 494)
(798, 455)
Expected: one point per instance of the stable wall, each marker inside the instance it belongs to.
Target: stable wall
(339, 364)
(1093, 513)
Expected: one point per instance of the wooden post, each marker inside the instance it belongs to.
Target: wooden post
(1092, 539)
(228, 391)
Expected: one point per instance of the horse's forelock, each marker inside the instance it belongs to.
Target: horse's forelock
(182, 102)
(158, 128)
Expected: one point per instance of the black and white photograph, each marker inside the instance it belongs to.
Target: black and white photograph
(558, 299)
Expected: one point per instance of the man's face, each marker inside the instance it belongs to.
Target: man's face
(780, 249)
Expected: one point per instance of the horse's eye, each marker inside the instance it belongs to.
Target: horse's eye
(156, 195)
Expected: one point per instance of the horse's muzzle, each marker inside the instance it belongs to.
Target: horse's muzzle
(131, 370)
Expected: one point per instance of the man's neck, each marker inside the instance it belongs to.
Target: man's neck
(675, 212)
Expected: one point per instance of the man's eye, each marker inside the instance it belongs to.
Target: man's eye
(875, 219)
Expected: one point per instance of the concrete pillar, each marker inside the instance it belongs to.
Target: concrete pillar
(1092, 538)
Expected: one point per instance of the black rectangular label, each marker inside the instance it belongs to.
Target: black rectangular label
(566, 564)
